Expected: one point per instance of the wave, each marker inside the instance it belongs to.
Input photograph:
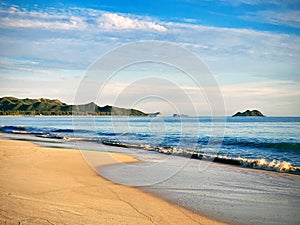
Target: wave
(263, 164)
(274, 165)
(63, 130)
(67, 133)
(123, 135)
(288, 146)
(280, 146)
(20, 130)
(34, 130)
(9, 129)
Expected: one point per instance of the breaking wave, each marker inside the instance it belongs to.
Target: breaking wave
(263, 164)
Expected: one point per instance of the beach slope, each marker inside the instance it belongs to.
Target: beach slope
(56, 186)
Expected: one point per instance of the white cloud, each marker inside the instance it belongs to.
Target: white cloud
(40, 86)
(66, 20)
(118, 22)
(273, 98)
(73, 23)
(289, 18)
(261, 89)
(242, 53)
(216, 42)
(260, 2)
(15, 17)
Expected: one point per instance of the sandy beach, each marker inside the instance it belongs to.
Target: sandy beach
(56, 186)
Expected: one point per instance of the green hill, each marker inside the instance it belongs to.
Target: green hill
(43, 106)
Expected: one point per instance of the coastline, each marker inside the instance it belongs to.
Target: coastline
(51, 185)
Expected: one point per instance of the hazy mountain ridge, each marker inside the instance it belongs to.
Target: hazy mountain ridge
(44, 106)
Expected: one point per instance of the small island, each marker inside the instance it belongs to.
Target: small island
(249, 113)
(180, 115)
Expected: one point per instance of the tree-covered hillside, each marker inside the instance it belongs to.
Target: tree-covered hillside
(43, 106)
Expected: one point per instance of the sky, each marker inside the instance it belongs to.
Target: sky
(252, 48)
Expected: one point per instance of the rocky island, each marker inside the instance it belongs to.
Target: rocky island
(180, 115)
(249, 113)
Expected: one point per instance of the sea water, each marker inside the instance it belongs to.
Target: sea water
(257, 192)
(263, 139)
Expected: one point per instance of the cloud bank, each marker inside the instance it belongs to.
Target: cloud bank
(59, 45)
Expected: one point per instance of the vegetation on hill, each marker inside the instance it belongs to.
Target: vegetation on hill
(249, 113)
(43, 106)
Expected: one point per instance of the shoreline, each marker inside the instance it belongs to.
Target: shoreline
(53, 185)
(259, 163)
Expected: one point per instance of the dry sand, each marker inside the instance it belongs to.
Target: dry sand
(56, 186)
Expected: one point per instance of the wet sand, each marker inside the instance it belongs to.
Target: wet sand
(56, 186)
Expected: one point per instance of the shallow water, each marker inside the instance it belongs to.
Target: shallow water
(227, 193)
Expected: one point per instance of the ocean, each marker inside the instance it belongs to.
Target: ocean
(266, 140)
(243, 170)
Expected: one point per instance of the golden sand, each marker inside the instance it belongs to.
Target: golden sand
(56, 186)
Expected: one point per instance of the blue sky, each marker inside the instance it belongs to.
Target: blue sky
(251, 46)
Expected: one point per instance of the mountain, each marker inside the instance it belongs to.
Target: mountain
(249, 113)
(44, 106)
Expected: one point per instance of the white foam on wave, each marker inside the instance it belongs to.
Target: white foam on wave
(274, 165)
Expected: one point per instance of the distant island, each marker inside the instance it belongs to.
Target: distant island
(249, 113)
(179, 115)
(44, 106)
